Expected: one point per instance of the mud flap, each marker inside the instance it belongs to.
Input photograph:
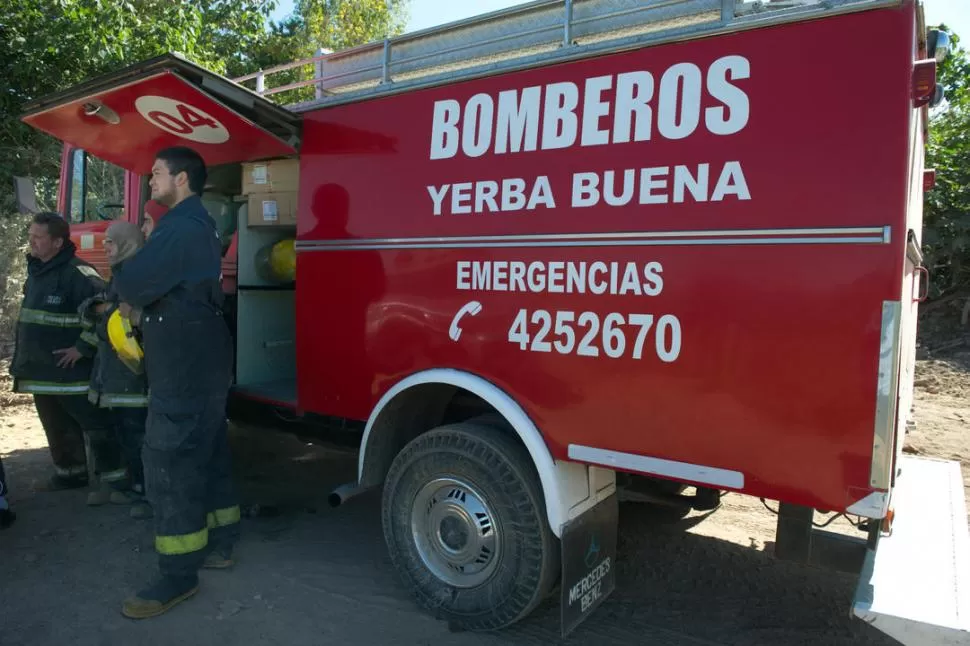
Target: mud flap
(588, 562)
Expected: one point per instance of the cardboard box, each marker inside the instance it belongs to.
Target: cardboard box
(272, 209)
(273, 176)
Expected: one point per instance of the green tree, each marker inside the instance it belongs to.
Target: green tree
(49, 45)
(946, 233)
(323, 24)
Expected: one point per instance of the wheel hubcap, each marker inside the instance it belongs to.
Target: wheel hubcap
(455, 532)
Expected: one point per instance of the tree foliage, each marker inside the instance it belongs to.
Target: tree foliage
(50, 45)
(946, 232)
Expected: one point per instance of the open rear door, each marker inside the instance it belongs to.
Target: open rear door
(127, 116)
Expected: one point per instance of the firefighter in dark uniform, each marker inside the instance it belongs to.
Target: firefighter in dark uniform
(174, 281)
(52, 357)
(7, 516)
(119, 386)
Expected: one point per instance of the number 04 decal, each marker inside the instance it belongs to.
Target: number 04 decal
(180, 118)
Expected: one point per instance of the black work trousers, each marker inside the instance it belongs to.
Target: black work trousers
(189, 485)
(129, 424)
(66, 420)
(3, 481)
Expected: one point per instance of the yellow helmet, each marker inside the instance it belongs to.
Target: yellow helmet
(276, 262)
(122, 339)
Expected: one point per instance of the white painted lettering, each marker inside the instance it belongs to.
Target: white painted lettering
(437, 196)
(464, 272)
(634, 90)
(513, 194)
(517, 127)
(559, 116)
(541, 194)
(556, 269)
(461, 198)
(731, 117)
(500, 272)
(609, 187)
(485, 193)
(648, 183)
(654, 281)
(731, 182)
(594, 109)
(585, 192)
(696, 186)
(476, 136)
(680, 91)
(444, 129)
(517, 276)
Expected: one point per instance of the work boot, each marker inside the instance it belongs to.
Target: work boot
(160, 597)
(141, 510)
(100, 496)
(218, 559)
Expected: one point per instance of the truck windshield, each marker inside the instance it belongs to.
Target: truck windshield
(97, 190)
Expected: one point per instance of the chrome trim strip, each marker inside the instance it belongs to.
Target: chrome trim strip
(701, 473)
(844, 235)
(887, 389)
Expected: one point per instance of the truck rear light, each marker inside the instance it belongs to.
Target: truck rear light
(929, 179)
(924, 82)
(887, 522)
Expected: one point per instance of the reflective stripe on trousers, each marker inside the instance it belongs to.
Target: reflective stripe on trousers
(222, 517)
(188, 543)
(114, 476)
(52, 388)
(122, 401)
(71, 472)
(183, 543)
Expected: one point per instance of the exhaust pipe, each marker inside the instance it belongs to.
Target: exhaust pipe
(345, 492)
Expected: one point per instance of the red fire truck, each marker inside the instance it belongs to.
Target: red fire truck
(573, 252)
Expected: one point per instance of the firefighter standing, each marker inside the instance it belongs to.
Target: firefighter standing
(174, 281)
(6, 513)
(116, 386)
(52, 356)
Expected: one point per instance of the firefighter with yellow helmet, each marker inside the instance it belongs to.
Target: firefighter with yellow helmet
(118, 383)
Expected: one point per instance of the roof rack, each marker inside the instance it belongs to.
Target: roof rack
(536, 33)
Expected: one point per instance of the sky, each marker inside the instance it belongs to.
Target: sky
(429, 13)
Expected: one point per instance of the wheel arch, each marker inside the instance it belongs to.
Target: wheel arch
(381, 442)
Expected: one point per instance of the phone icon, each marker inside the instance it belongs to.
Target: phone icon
(470, 308)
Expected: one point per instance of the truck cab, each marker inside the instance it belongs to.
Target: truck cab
(93, 193)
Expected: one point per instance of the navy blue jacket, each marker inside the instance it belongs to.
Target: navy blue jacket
(49, 321)
(113, 384)
(174, 279)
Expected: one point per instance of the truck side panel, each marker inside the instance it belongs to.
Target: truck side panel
(721, 309)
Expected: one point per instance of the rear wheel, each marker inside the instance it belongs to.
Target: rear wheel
(466, 527)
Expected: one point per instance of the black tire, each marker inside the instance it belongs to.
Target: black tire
(497, 469)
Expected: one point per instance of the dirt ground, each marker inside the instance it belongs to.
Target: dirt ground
(308, 574)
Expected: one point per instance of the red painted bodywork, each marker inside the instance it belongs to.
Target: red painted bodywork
(777, 374)
(778, 369)
(134, 140)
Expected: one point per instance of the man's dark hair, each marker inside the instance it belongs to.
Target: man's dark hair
(180, 158)
(56, 225)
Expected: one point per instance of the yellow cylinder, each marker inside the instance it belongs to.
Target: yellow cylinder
(276, 262)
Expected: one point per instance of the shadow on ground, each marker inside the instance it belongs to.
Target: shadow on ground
(309, 574)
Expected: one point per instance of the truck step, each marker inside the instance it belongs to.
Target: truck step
(915, 584)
